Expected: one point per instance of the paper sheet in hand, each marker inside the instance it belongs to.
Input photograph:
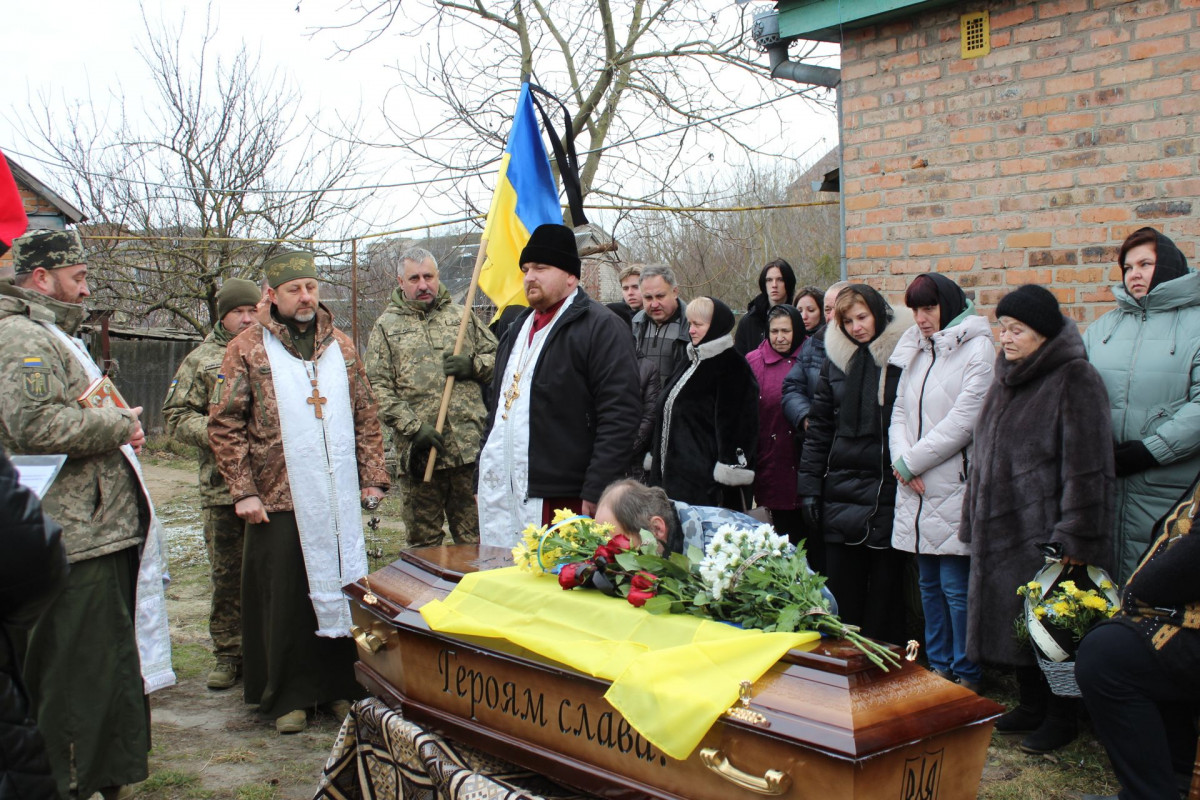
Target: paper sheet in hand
(36, 473)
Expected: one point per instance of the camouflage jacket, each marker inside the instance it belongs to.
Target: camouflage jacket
(404, 364)
(185, 410)
(96, 497)
(243, 418)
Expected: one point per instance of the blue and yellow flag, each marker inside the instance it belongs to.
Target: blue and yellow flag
(525, 197)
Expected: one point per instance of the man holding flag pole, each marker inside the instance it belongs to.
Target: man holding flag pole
(565, 401)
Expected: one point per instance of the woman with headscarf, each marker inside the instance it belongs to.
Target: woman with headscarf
(947, 361)
(846, 483)
(776, 283)
(1043, 473)
(775, 473)
(706, 427)
(1147, 350)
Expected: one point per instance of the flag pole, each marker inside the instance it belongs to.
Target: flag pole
(458, 345)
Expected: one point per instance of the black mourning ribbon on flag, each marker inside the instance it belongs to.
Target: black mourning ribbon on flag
(564, 154)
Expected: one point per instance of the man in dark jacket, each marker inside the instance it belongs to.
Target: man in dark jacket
(776, 284)
(565, 399)
(31, 575)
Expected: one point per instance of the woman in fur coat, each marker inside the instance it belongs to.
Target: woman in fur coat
(846, 484)
(1043, 472)
(706, 428)
(947, 361)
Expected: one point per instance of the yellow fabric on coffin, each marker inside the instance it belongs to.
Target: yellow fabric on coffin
(672, 675)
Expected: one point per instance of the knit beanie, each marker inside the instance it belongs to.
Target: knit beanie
(554, 245)
(236, 292)
(1035, 306)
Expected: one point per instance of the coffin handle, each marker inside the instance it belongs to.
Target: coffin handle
(373, 638)
(772, 782)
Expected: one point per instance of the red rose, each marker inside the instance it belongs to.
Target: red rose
(644, 581)
(568, 575)
(617, 544)
(638, 598)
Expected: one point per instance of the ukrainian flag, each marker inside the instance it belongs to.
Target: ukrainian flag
(525, 197)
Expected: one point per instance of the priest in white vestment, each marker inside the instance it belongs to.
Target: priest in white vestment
(296, 436)
(565, 402)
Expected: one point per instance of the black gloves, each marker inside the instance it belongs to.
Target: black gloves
(428, 437)
(810, 515)
(459, 366)
(1132, 457)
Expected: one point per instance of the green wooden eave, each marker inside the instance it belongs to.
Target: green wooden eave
(824, 20)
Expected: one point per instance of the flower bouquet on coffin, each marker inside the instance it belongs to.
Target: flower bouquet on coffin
(1062, 603)
(749, 577)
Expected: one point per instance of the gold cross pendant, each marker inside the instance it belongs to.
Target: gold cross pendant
(511, 395)
(316, 401)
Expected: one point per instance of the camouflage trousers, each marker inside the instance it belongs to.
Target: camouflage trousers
(450, 497)
(224, 533)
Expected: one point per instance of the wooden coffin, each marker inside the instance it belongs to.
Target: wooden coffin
(820, 725)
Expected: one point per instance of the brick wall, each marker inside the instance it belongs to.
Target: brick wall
(1030, 164)
(34, 204)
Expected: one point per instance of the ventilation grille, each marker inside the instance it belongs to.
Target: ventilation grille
(976, 38)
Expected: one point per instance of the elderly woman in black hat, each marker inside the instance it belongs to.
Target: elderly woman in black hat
(1043, 473)
(706, 426)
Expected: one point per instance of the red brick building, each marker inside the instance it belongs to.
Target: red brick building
(1008, 142)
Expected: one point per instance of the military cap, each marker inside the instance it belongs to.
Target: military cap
(46, 249)
(285, 267)
(236, 292)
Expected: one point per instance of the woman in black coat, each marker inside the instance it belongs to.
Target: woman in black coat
(32, 571)
(706, 427)
(846, 485)
(1043, 472)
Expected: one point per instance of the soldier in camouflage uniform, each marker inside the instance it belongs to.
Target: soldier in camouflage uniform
(410, 352)
(186, 413)
(81, 662)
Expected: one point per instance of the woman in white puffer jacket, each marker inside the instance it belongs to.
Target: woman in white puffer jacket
(947, 358)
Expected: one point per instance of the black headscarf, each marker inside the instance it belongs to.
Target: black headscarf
(1169, 263)
(859, 414)
(722, 321)
(793, 313)
(952, 300)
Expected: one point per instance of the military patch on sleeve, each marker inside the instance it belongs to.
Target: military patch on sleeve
(171, 389)
(215, 397)
(35, 381)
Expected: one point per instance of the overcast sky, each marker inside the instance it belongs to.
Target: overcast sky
(82, 51)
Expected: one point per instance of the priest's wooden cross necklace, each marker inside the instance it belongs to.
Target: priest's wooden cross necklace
(316, 401)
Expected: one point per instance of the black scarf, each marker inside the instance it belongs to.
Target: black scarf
(859, 414)
(952, 301)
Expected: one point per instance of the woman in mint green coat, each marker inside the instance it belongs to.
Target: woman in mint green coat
(1148, 352)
